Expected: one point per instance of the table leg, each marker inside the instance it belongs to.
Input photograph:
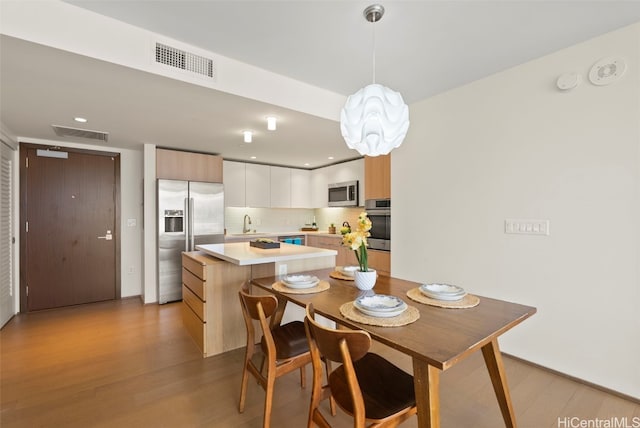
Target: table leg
(493, 360)
(426, 379)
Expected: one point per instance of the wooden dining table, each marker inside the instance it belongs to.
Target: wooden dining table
(439, 339)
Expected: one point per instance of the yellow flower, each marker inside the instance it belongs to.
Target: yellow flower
(357, 240)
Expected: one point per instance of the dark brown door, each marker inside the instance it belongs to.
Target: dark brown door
(70, 230)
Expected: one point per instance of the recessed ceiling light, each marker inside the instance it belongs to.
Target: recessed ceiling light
(330, 158)
(248, 136)
(271, 123)
(80, 119)
(306, 164)
(252, 157)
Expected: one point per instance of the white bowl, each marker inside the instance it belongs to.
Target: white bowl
(349, 270)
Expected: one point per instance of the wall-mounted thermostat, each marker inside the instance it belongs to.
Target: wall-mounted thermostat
(607, 71)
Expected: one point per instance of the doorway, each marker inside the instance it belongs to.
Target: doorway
(69, 220)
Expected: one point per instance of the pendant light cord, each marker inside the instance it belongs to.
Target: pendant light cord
(373, 24)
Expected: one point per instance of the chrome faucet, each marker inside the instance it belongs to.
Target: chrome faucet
(245, 228)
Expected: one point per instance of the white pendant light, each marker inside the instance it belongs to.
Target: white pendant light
(375, 119)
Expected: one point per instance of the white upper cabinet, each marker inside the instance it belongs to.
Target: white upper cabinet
(347, 171)
(263, 186)
(258, 186)
(233, 177)
(280, 187)
(301, 188)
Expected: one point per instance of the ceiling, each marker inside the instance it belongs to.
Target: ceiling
(422, 48)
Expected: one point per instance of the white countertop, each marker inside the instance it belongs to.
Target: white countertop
(274, 235)
(240, 253)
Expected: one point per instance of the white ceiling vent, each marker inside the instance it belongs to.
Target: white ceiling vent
(184, 60)
(65, 131)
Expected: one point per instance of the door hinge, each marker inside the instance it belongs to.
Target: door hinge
(26, 162)
(26, 227)
(27, 291)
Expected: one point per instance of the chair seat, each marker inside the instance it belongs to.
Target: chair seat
(386, 389)
(290, 340)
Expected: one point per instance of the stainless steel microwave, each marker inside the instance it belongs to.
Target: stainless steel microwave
(343, 194)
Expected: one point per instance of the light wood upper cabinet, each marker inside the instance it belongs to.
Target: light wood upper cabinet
(178, 165)
(377, 177)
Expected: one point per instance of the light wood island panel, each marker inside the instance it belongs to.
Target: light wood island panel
(211, 310)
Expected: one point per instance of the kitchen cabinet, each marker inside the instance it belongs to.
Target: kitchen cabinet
(345, 256)
(262, 186)
(380, 261)
(234, 184)
(300, 188)
(257, 185)
(179, 165)
(377, 177)
(210, 308)
(280, 187)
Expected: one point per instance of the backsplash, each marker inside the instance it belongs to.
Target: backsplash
(287, 219)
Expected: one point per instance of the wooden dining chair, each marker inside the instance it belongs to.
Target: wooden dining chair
(284, 348)
(366, 386)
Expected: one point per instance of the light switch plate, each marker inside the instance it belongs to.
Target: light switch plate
(131, 222)
(526, 227)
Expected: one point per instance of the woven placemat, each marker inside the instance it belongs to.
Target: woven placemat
(279, 286)
(407, 317)
(339, 275)
(468, 301)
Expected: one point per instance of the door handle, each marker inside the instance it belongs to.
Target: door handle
(108, 236)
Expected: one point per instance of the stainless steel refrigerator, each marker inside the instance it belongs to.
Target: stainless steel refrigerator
(190, 213)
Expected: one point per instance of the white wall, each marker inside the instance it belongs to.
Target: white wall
(131, 243)
(514, 146)
(64, 26)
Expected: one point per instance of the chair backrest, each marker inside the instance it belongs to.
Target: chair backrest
(259, 308)
(332, 343)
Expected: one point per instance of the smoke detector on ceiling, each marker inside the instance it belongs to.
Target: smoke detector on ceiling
(607, 71)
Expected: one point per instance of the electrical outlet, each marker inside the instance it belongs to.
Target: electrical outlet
(131, 222)
(526, 227)
(131, 270)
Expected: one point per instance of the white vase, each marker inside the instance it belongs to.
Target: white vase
(365, 280)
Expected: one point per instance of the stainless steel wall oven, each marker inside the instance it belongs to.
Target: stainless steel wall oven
(379, 211)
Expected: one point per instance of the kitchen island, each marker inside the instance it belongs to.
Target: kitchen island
(211, 279)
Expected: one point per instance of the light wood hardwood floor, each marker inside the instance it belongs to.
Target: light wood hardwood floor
(122, 364)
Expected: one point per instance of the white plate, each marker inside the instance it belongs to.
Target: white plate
(380, 303)
(443, 291)
(383, 314)
(349, 270)
(300, 285)
(300, 279)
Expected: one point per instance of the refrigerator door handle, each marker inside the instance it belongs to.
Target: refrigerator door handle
(191, 232)
(187, 225)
